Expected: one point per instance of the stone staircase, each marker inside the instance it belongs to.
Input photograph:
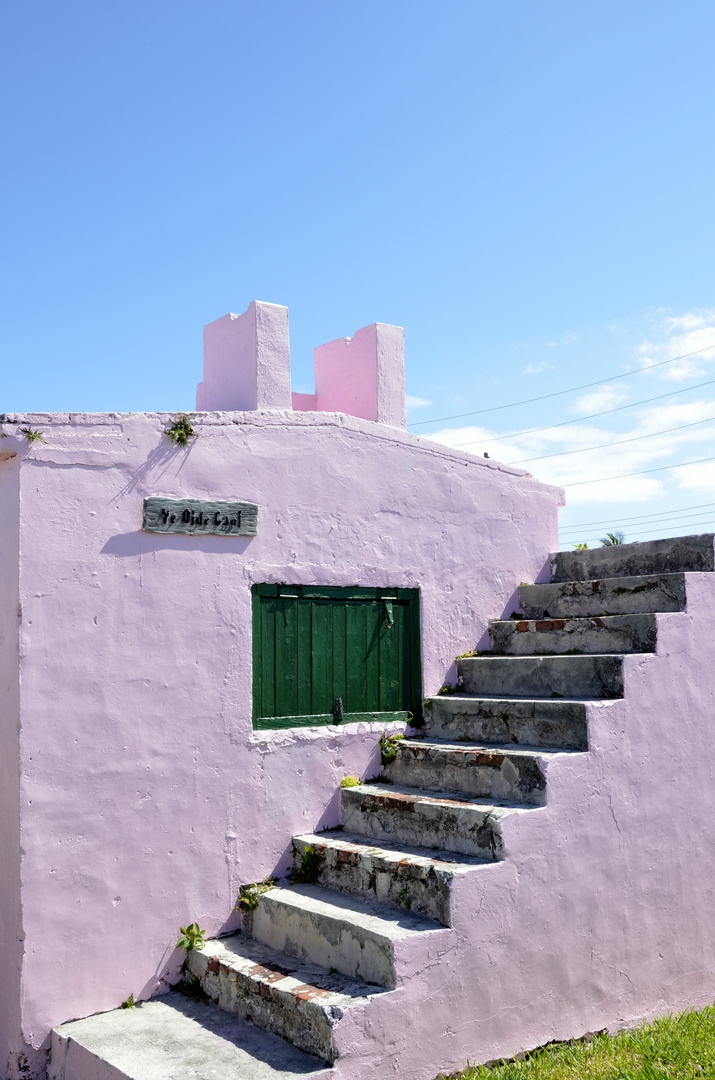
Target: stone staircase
(342, 932)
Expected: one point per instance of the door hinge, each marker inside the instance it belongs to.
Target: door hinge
(338, 710)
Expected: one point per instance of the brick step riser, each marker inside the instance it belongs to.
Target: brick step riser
(478, 773)
(299, 1019)
(614, 596)
(552, 724)
(617, 635)
(682, 554)
(332, 943)
(405, 885)
(468, 830)
(594, 677)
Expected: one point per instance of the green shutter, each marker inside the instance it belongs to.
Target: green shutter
(314, 645)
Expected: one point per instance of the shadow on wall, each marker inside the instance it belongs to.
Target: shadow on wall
(141, 543)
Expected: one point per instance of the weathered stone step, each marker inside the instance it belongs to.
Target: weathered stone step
(295, 999)
(600, 634)
(173, 1038)
(610, 596)
(335, 930)
(676, 555)
(542, 676)
(414, 878)
(501, 721)
(514, 775)
(445, 820)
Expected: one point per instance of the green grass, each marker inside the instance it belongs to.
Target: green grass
(671, 1048)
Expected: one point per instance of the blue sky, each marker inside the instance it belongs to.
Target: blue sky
(526, 188)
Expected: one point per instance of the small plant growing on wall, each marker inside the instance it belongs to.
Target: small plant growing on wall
(33, 436)
(350, 781)
(181, 430)
(248, 895)
(308, 872)
(129, 1003)
(388, 747)
(191, 937)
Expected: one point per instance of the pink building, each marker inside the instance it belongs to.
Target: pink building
(199, 640)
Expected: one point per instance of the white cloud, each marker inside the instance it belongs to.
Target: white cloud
(607, 397)
(677, 336)
(413, 402)
(612, 455)
(536, 369)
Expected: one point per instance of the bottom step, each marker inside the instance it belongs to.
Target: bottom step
(172, 1038)
(297, 1000)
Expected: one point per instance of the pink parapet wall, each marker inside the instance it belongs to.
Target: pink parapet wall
(247, 367)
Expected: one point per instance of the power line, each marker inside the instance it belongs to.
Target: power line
(601, 446)
(640, 472)
(649, 535)
(659, 526)
(638, 517)
(580, 419)
(559, 393)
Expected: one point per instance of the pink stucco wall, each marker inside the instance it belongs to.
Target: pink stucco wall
(146, 797)
(10, 918)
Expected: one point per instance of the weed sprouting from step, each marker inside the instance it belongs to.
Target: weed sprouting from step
(466, 655)
(128, 1003)
(191, 937)
(308, 870)
(181, 430)
(554, 694)
(350, 781)
(416, 722)
(403, 899)
(446, 688)
(33, 436)
(389, 745)
(249, 895)
(192, 987)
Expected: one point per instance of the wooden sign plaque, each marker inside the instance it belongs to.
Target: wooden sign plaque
(198, 517)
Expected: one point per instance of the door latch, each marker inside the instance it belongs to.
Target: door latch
(389, 619)
(338, 710)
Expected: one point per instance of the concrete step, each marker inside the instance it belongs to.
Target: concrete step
(414, 878)
(515, 775)
(173, 1038)
(293, 998)
(542, 676)
(600, 634)
(443, 820)
(504, 721)
(677, 555)
(610, 596)
(347, 933)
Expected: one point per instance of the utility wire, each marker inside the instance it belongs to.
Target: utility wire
(638, 517)
(640, 472)
(559, 393)
(661, 526)
(649, 535)
(580, 419)
(601, 446)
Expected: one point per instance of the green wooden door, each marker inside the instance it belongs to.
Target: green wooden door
(329, 655)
